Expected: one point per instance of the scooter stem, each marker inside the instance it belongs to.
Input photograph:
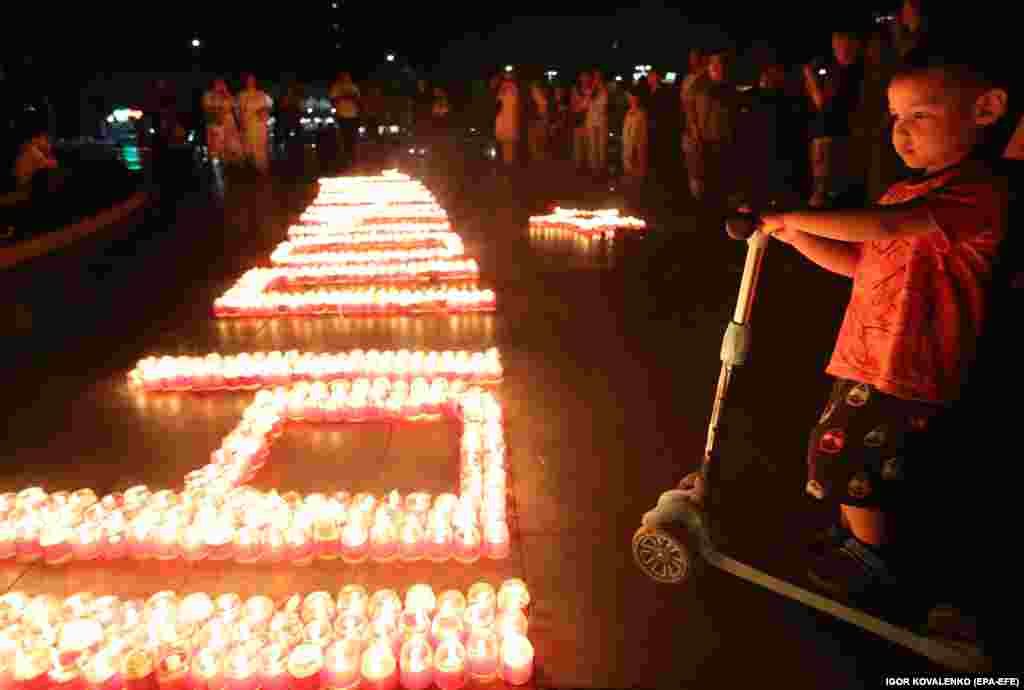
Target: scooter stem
(736, 341)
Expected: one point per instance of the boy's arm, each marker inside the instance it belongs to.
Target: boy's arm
(832, 255)
(858, 225)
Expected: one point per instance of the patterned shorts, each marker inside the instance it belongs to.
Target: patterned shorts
(867, 447)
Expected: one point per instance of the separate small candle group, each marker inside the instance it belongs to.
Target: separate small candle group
(320, 640)
(604, 223)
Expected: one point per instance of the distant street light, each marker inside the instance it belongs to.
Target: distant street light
(391, 58)
(508, 68)
(196, 43)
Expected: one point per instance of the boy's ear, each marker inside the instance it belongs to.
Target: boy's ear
(990, 106)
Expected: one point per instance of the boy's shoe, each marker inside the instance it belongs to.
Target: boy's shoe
(828, 539)
(855, 573)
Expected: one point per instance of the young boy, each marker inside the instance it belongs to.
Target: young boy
(921, 263)
(634, 140)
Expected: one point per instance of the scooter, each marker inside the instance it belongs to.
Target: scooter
(678, 535)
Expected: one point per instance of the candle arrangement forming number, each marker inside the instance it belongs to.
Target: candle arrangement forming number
(217, 517)
(195, 642)
(347, 249)
(318, 641)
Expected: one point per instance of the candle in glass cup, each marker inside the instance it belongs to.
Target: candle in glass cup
(416, 664)
(240, 671)
(304, 666)
(447, 626)
(355, 541)
(379, 668)
(439, 542)
(451, 601)
(86, 543)
(353, 599)
(450, 665)
(55, 542)
(466, 544)
(342, 665)
(258, 608)
(273, 666)
(172, 672)
(482, 650)
(248, 545)
(30, 668)
(479, 615)
(300, 547)
(510, 622)
(138, 670)
(497, 540)
(516, 660)
(219, 538)
(196, 608)
(206, 670)
(63, 675)
(513, 594)
(327, 535)
(482, 593)
(411, 541)
(116, 544)
(384, 546)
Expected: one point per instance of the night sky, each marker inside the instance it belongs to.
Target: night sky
(298, 37)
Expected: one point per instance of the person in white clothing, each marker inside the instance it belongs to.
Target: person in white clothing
(597, 123)
(222, 137)
(254, 108)
(579, 108)
(506, 123)
(634, 140)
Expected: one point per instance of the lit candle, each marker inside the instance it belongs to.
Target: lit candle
(55, 541)
(416, 664)
(116, 546)
(511, 622)
(479, 615)
(273, 665)
(411, 546)
(385, 604)
(513, 594)
(300, 547)
(451, 601)
(516, 659)
(167, 541)
(384, 542)
(466, 544)
(173, 670)
(304, 666)
(446, 626)
(275, 546)
(206, 670)
(219, 540)
(138, 670)
(496, 537)
(439, 546)
(31, 666)
(341, 665)
(353, 599)
(86, 544)
(240, 671)
(379, 668)
(482, 655)
(248, 545)
(450, 665)
(196, 608)
(355, 541)
(328, 539)
(80, 636)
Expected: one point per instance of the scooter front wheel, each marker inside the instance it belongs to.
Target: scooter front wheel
(665, 554)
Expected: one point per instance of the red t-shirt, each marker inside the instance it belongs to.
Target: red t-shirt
(918, 302)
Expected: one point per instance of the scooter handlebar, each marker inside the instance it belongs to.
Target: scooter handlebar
(740, 226)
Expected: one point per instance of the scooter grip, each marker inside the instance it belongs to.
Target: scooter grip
(740, 226)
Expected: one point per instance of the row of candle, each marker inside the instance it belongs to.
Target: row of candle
(262, 369)
(247, 300)
(413, 225)
(373, 238)
(448, 246)
(437, 270)
(199, 642)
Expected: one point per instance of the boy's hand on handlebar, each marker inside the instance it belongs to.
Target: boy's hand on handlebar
(774, 224)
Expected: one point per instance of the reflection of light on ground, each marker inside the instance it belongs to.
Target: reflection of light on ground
(596, 251)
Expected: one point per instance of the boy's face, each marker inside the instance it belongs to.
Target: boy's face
(933, 124)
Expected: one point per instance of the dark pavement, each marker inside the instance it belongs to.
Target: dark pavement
(611, 358)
